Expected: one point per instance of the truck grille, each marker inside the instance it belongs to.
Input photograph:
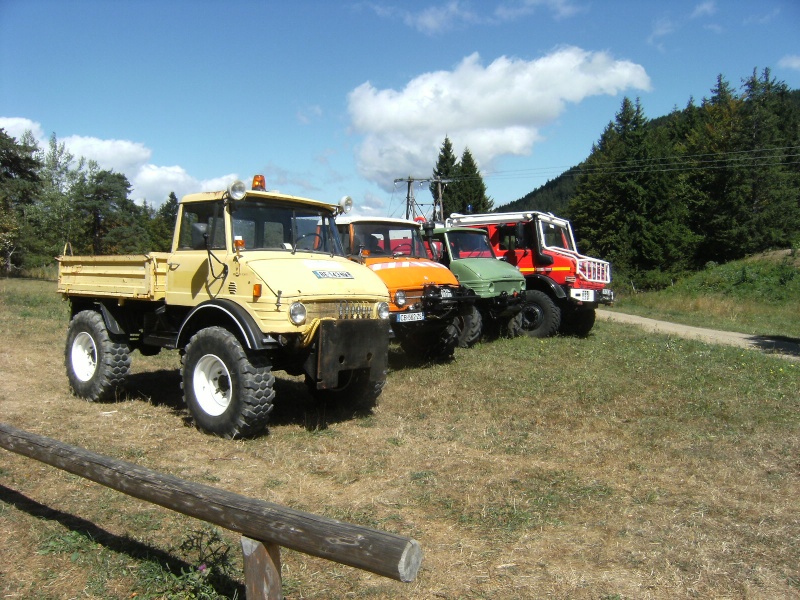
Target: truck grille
(596, 271)
(349, 309)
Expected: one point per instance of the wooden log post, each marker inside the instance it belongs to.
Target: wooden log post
(383, 553)
(262, 570)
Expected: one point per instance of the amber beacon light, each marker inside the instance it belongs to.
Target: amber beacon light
(259, 183)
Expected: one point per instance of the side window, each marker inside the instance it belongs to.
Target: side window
(198, 221)
(508, 238)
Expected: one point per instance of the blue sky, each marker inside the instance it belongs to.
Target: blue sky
(328, 98)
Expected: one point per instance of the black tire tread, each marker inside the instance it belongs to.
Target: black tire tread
(113, 359)
(247, 415)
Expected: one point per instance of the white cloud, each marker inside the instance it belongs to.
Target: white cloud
(435, 19)
(454, 14)
(495, 110)
(154, 183)
(431, 20)
(514, 9)
(704, 9)
(661, 28)
(120, 155)
(790, 61)
(149, 182)
(16, 126)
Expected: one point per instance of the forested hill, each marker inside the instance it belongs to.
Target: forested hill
(711, 182)
(553, 196)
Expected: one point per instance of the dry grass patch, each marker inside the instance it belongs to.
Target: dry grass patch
(625, 465)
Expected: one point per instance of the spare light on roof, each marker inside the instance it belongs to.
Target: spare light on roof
(260, 183)
(345, 205)
(237, 190)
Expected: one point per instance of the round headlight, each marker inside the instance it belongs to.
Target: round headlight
(237, 190)
(297, 313)
(400, 298)
(345, 205)
(383, 310)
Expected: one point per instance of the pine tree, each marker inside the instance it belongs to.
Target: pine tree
(770, 170)
(19, 185)
(162, 224)
(445, 170)
(469, 193)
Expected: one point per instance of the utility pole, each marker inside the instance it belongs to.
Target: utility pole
(412, 208)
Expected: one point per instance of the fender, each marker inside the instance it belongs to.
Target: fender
(230, 312)
(545, 282)
(112, 324)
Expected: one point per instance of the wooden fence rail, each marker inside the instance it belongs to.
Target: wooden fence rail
(265, 526)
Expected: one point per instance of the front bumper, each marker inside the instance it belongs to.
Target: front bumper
(349, 345)
(584, 296)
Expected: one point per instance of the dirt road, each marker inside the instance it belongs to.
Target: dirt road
(784, 347)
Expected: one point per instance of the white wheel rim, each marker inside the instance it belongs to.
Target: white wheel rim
(212, 385)
(83, 356)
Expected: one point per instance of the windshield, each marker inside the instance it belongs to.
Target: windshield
(469, 244)
(388, 239)
(555, 235)
(276, 226)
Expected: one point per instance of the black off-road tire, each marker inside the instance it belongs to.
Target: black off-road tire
(96, 364)
(514, 327)
(578, 322)
(228, 391)
(356, 390)
(437, 346)
(471, 326)
(541, 317)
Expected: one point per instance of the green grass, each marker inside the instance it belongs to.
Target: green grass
(758, 295)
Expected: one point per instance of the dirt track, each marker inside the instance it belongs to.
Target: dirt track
(784, 347)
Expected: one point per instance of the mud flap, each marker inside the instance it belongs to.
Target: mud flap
(348, 346)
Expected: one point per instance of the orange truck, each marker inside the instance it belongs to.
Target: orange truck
(427, 305)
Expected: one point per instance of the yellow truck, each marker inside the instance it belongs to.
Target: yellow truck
(427, 304)
(256, 281)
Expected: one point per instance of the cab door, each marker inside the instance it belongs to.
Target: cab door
(194, 276)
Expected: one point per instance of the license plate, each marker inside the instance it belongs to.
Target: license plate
(447, 293)
(409, 317)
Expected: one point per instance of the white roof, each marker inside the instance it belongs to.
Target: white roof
(345, 220)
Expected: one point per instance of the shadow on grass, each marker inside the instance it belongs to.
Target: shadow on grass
(293, 404)
(114, 543)
(777, 344)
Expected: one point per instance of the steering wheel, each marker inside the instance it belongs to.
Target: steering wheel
(306, 235)
(403, 245)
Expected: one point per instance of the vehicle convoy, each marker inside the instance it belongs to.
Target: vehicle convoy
(563, 287)
(256, 281)
(426, 302)
(498, 286)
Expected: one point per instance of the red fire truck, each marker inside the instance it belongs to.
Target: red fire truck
(563, 286)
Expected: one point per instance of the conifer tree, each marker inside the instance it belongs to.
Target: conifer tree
(446, 169)
(469, 190)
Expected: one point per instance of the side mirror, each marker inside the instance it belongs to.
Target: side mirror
(519, 232)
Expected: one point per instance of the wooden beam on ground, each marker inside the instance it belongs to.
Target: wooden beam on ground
(387, 554)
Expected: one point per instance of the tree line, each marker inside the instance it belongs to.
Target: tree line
(710, 183)
(51, 203)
